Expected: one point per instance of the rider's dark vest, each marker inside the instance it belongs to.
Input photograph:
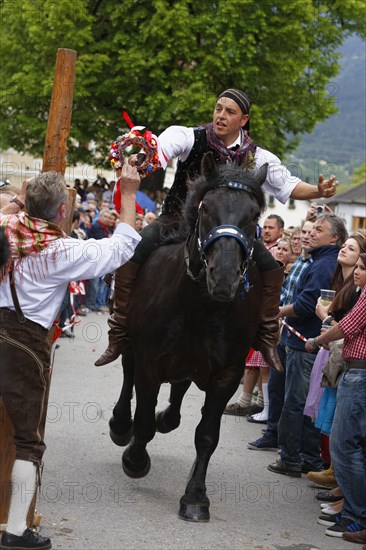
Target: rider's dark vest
(190, 168)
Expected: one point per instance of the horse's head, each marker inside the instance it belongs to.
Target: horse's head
(226, 202)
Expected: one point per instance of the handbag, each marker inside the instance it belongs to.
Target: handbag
(334, 366)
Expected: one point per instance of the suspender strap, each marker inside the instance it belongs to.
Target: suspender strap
(14, 295)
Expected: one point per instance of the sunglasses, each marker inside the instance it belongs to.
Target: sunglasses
(4, 182)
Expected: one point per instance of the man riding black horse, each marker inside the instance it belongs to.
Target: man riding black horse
(228, 138)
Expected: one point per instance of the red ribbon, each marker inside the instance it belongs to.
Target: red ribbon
(127, 119)
(117, 199)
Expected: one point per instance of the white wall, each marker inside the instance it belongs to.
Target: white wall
(291, 216)
(349, 211)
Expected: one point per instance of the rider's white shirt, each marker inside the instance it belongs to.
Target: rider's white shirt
(177, 141)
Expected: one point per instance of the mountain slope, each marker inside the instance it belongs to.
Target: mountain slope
(341, 139)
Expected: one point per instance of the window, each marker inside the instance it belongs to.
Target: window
(358, 223)
(271, 202)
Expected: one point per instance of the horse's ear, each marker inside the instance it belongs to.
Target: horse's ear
(208, 166)
(262, 174)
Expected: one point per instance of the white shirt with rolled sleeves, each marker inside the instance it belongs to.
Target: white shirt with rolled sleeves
(177, 141)
(40, 298)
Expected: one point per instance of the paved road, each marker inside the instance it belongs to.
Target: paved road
(88, 502)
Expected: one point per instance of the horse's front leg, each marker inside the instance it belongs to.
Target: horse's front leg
(135, 460)
(120, 424)
(169, 419)
(194, 504)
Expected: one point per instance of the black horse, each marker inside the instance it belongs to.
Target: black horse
(191, 319)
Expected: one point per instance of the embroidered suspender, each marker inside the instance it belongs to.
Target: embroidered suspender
(14, 295)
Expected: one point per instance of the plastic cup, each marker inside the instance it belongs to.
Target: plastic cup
(326, 296)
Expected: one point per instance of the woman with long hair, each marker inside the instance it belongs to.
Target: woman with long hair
(348, 435)
(321, 400)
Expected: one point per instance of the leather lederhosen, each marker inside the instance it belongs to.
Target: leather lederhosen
(24, 379)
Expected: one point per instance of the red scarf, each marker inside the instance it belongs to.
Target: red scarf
(28, 237)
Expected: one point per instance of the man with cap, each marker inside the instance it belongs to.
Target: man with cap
(228, 138)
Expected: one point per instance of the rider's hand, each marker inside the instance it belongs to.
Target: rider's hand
(137, 159)
(327, 188)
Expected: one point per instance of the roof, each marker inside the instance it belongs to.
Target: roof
(355, 195)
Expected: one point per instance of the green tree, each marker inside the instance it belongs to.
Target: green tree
(359, 175)
(166, 61)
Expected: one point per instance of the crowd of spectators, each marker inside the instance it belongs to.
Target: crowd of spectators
(315, 412)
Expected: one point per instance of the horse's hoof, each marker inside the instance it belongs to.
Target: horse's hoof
(133, 470)
(166, 422)
(119, 439)
(198, 513)
(161, 425)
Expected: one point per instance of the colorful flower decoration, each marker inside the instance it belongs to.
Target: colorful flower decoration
(142, 138)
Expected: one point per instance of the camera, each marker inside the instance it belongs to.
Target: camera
(320, 208)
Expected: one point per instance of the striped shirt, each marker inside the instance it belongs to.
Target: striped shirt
(287, 290)
(353, 326)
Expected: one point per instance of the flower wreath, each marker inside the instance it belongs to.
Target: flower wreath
(147, 141)
(138, 135)
(142, 138)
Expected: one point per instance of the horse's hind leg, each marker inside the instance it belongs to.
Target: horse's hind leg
(169, 419)
(135, 460)
(121, 422)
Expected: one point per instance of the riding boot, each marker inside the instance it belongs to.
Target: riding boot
(266, 339)
(119, 341)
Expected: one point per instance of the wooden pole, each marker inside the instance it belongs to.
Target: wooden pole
(54, 159)
(59, 118)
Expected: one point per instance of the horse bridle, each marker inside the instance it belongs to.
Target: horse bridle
(225, 230)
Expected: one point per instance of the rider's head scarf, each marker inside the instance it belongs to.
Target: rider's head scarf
(239, 97)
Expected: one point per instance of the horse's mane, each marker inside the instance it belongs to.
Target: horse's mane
(197, 189)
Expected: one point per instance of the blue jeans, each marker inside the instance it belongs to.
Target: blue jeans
(348, 443)
(298, 438)
(102, 294)
(91, 294)
(65, 310)
(276, 394)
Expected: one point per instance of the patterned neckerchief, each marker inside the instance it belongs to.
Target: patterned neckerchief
(242, 155)
(27, 237)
